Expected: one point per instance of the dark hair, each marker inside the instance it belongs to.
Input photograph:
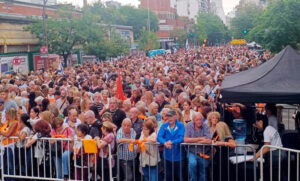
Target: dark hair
(36, 110)
(42, 127)
(32, 103)
(24, 118)
(96, 112)
(45, 104)
(70, 100)
(83, 128)
(272, 108)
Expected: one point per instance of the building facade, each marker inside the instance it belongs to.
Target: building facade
(190, 8)
(168, 20)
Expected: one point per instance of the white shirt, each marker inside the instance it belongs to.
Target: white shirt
(34, 121)
(272, 121)
(272, 136)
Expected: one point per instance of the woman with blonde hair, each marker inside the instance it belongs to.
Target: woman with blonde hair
(47, 116)
(212, 119)
(148, 98)
(105, 98)
(179, 116)
(155, 123)
(223, 139)
(153, 111)
(85, 106)
(8, 129)
(142, 111)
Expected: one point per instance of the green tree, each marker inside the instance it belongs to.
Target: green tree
(63, 33)
(148, 40)
(212, 28)
(243, 22)
(126, 15)
(180, 36)
(278, 26)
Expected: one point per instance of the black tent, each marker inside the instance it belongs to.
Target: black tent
(276, 81)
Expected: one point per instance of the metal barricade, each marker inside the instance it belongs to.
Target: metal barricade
(139, 163)
(279, 163)
(52, 159)
(218, 163)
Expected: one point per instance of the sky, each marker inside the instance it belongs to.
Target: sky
(228, 5)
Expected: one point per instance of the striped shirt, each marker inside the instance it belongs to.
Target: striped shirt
(123, 150)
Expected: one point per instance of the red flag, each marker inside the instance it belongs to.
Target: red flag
(119, 92)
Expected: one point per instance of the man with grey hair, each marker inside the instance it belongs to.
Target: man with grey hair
(160, 100)
(94, 124)
(198, 132)
(137, 124)
(126, 106)
(125, 136)
(117, 114)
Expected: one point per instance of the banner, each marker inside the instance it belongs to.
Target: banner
(39, 63)
(7, 65)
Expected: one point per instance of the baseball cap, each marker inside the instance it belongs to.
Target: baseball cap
(171, 113)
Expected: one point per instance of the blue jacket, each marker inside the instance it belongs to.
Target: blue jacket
(165, 135)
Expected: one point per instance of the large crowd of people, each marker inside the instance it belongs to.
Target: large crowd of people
(168, 100)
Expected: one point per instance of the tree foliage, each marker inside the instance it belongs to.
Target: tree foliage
(244, 20)
(129, 16)
(278, 26)
(63, 33)
(212, 28)
(66, 32)
(180, 36)
(148, 40)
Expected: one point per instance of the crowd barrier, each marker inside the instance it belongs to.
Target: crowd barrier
(50, 158)
(222, 163)
(279, 164)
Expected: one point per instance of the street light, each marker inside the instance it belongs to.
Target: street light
(45, 29)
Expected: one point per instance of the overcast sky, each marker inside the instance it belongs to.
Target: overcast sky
(228, 5)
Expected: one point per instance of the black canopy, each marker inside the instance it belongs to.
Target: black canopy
(275, 81)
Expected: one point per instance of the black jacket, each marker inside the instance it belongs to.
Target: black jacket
(95, 129)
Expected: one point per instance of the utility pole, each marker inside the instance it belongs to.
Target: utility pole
(44, 23)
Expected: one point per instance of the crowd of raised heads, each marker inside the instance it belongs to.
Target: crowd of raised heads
(168, 99)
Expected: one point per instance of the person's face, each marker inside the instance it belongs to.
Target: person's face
(154, 109)
(79, 133)
(198, 121)
(159, 99)
(97, 98)
(1, 107)
(133, 114)
(146, 131)
(160, 85)
(186, 106)
(259, 125)
(33, 114)
(126, 126)
(113, 105)
(88, 119)
(72, 116)
(3, 95)
(105, 95)
(172, 119)
(106, 119)
(214, 120)
(197, 90)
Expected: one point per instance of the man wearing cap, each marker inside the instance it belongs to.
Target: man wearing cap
(197, 132)
(171, 134)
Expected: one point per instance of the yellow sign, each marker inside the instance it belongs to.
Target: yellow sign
(238, 42)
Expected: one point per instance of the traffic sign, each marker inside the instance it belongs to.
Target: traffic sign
(16, 61)
(44, 50)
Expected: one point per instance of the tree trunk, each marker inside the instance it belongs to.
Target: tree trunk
(65, 59)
